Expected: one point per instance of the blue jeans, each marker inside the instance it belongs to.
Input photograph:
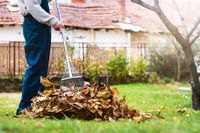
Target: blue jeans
(37, 51)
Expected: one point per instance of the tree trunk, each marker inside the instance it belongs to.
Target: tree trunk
(178, 67)
(194, 75)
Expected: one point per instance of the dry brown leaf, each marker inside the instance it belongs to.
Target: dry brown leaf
(183, 110)
(103, 94)
(46, 93)
(45, 82)
(115, 91)
(92, 110)
(100, 112)
(85, 91)
(138, 119)
(146, 116)
(78, 105)
(96, 106)
(68, 94)
(105, 104)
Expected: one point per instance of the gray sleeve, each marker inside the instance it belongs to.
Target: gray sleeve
(34, 8)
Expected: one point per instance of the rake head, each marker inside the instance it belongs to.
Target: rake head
(76, 81)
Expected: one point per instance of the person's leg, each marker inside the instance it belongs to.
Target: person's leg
(46, 54)
(37, 56)
(31, 79)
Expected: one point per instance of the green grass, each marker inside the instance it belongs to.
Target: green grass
(143, 97)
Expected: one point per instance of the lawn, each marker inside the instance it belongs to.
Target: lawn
(143, 97)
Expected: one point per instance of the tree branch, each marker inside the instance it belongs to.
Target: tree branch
(143, 4)
(193, 29)
(156, 2)
(181, 17)
(195, 38)
(172, 28)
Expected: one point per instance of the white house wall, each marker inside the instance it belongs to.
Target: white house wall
(111, 38)
(102, 38)
(78, 35)
(108, 38)
(14, 33)
(11, 33)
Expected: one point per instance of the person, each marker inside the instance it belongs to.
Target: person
(37, 34)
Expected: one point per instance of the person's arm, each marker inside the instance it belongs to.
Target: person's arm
(34, 8)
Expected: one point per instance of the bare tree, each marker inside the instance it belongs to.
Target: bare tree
(185, 41)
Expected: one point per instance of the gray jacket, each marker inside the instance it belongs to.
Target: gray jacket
(33, 7)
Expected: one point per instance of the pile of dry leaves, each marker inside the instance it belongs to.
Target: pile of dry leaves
(93, 101)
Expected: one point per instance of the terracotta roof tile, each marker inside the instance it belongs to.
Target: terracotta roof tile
(89, 16)
(6, 17)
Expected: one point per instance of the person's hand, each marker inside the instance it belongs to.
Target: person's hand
(58, 26)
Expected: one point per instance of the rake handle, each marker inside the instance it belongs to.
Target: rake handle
(64, 40)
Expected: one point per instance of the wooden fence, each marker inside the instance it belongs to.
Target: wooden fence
(13, 62)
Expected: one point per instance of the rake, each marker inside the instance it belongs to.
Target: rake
(68, 80)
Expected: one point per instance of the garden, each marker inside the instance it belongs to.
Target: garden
(136, 88)
(145, 90)
(170, 108)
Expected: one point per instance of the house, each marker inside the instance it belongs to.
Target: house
(93, 24)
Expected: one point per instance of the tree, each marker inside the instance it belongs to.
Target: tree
(186, 41)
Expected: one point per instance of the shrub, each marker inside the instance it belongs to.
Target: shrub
(168, 80)
(119, 71)
(117, 68)
(93, 71)
(164, 62)
(138, 70)
(153, 77)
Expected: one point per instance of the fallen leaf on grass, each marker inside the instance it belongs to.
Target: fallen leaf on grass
(182, 110)
(158, 112)
(143, 117)
(159, 116)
